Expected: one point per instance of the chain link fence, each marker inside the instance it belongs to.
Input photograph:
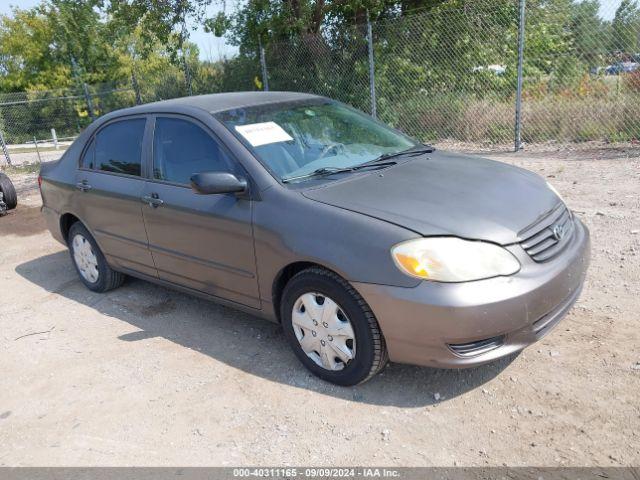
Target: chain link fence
(589, 90)
(333, 64)
(37, 122)
(435, 83)
(448, 76)
(25, 115)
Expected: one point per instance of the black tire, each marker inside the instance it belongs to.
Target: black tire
(108, 279)
(370, 352)
(8, 191)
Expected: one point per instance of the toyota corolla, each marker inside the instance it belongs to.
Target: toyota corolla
(365, 244)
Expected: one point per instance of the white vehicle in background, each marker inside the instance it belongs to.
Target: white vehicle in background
(496, 69)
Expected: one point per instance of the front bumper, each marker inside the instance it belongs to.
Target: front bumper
(421, 324)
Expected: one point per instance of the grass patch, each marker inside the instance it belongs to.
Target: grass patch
(559, 118)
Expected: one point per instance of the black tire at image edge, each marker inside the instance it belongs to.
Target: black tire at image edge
(8, 191)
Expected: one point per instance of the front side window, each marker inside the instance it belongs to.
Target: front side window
(118, 147)
(295, 138)
(181, 149)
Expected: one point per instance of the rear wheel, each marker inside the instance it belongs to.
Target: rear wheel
(331, 328)
(8, 192)
(89, 261)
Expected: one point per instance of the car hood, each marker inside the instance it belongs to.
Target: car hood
(446, 194)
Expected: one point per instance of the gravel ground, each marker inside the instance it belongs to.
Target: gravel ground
(147, 376)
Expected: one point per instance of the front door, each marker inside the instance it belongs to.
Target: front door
(109, 186)
(203, 242)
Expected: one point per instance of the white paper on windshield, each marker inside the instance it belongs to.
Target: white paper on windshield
(263, 133)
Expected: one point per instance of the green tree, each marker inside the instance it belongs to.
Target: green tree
(589, 32)
(25, 39)
(41, 44)
(625, 28)
(159, 21)
(282, 20)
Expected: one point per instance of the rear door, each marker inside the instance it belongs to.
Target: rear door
(109, 184)
(203, 242)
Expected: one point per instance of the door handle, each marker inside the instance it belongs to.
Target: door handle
(83, 186)
(152, 200)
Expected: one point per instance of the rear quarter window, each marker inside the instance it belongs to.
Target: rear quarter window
(88, 158)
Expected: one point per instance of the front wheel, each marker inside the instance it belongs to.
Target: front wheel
(89, 261)
(331, 328)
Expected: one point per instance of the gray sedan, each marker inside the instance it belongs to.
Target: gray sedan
(366, 245)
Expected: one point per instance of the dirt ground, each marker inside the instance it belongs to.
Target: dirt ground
(147, 376)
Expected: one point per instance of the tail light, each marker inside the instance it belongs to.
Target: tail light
(40, 182)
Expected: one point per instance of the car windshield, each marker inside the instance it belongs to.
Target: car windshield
(297, 138)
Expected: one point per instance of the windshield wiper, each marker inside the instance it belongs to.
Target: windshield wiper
(381, 161)
(409, 152)
(324, 171)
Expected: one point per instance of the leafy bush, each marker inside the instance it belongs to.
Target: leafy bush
(578, 120)
(491, 120)
(632, 82)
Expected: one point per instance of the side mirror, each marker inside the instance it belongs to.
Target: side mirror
(207, 183)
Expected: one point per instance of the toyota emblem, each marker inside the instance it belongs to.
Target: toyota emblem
(558, 232)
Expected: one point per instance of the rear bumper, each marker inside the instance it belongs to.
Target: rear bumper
(52, 219)
(445, 324)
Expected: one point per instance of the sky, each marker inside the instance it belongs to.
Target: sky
(213, 48)
(607, 8)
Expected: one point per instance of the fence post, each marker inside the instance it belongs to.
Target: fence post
(372, 79)
(521, 30)
(4, 149)
(35, 142)
(54, 137)
(87, 97)
(263, 64)
(136, 87)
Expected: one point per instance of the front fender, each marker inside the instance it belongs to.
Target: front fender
(290, 228)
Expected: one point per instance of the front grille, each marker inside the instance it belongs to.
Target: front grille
(549, 235)
(476, 348)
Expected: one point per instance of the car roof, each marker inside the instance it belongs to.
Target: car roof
(218, 102)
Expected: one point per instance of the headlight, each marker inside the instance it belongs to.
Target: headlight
(553, 189)
(451, 259)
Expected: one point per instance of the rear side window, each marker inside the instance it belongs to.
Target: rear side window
(117, 148)
(181, 149)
